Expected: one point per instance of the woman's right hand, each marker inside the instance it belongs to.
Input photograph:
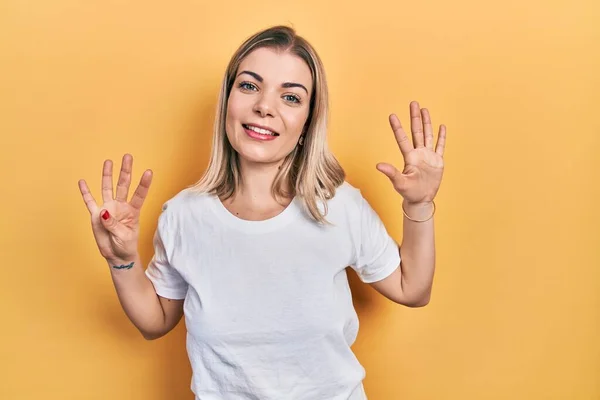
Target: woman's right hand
(116, 224)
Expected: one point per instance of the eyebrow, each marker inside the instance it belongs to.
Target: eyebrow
(283, 85)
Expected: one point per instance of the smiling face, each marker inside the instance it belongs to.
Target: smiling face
(268, 105)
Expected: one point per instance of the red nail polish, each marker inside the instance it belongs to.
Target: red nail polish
(105, 215)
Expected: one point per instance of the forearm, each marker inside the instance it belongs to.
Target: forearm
(137, 296)
(417, 252)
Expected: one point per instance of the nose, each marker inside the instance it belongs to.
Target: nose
(264, 106)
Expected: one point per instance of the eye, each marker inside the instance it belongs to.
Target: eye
(247, 86)
(292, 98)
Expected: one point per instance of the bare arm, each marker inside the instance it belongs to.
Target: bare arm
(115, 226)
(410, 284)
(154, 316)
(418, 184)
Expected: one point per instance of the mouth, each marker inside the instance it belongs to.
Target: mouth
(259, 132)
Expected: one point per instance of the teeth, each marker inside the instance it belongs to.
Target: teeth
(261, 131)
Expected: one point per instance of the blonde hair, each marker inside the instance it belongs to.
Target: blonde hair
(312, 170)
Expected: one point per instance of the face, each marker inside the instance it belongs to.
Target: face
(268, 105)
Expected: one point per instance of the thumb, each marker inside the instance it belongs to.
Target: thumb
(388, 170)
(392, 173)
(109, 222)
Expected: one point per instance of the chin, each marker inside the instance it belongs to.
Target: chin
(257, 156)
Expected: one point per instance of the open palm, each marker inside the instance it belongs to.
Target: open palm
(117, 232)
(421, 176)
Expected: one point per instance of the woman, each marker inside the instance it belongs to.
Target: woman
(255, 254)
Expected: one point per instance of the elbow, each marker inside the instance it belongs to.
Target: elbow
(151, 335)
(418, 302)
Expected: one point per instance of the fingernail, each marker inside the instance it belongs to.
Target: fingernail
(105, 215)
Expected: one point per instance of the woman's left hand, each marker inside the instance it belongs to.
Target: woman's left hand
(419, 181)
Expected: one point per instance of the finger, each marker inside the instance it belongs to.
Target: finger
(107, 183)
(110, 223)
(393, 174)
(137, 201)
(427, 128)
(403, 142)
(124, 178)
(88, 199)
(441, 143)
(388, 170)
(416, 124)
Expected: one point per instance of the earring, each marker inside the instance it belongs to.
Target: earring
(301, 141)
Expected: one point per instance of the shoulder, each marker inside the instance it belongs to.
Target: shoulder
(348, 195)
(346, 203)
(184, 203)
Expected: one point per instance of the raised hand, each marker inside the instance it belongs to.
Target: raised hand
(420, 179)
(116, 224)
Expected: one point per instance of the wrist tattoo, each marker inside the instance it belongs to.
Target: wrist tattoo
(128, 266)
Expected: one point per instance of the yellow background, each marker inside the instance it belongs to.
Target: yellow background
(515, 312)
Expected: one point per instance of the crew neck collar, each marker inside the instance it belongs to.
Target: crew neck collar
(278, 221)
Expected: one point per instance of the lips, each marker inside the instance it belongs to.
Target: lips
(263, 130)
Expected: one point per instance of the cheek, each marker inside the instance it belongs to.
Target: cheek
(238, 103)
(296, 121)
(233, 115)
(231, 108)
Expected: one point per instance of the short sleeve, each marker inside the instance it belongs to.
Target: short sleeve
(167, 281)
(377, 253)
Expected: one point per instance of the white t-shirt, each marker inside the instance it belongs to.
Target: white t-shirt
(268, 308)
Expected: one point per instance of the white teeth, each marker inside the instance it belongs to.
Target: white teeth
(261, 131)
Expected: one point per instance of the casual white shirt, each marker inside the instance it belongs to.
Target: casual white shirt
(268, 308)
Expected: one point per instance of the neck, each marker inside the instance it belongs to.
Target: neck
(257, 182)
